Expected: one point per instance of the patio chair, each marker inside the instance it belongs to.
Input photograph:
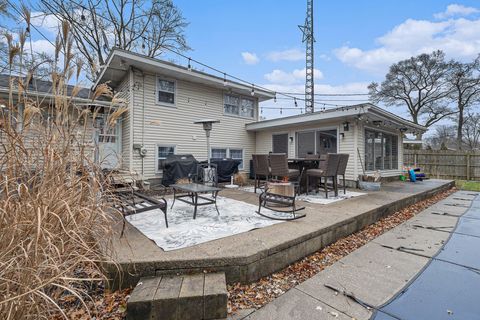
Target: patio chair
(279, 169)
(329, 170)
(279, 203)
(342, 167)
(261, 168)
(205, 175)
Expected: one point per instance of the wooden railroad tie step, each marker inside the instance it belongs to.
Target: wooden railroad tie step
(185, 297)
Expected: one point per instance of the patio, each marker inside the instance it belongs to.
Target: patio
(247, 256)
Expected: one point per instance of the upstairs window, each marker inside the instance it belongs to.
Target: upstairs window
(165, 91)
(239, 106)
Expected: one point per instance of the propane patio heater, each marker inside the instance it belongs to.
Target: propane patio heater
(207, 126)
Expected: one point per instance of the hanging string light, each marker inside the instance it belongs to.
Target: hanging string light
(275, 98)
(281, 111)
(295, 101)
(253, 90)
(189, 64)
(224, 79)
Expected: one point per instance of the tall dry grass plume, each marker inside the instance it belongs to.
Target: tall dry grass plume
(54, 203)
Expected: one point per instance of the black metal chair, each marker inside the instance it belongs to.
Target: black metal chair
(328, 170)
(261, 169)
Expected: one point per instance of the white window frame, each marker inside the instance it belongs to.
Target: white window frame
(240, 96)
(166, 104)
(228, 155)
(156, 154)
(373, 129)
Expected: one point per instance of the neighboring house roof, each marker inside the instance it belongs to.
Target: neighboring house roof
(119, 62)
(373, 112)
(43, 88)
(412, 141)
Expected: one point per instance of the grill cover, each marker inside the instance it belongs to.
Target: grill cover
(178, 166)
(225, 168)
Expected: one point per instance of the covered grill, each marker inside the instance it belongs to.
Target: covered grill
(178, 166)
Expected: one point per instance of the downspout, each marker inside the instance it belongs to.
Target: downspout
(132, 114)
(143, 122)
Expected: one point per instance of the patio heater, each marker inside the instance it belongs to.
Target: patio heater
(207, 126)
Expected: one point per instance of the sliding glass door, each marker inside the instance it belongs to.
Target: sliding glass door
(316, 142)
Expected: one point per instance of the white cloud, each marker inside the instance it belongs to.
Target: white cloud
(45, 21)
(43, 46)
(278, 76)
(250, 58)
(458, 38)
(456, 10)
(286, 55)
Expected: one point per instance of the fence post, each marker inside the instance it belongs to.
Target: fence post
(468, 166)
(415, 159)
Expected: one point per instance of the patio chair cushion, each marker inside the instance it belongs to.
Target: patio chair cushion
(293, 172)
(316, 172)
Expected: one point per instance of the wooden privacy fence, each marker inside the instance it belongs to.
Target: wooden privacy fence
(445, 164)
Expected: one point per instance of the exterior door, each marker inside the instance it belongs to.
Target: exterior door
(108, 143)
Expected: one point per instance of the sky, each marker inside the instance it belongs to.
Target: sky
(356, 41)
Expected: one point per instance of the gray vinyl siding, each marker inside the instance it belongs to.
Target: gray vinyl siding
(173, 125)
(123, 93)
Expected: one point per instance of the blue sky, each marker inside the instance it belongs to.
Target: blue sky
(356, 40)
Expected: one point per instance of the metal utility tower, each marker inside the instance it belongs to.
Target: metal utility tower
(308, 38)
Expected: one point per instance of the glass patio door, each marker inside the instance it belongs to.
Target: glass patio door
(316, 142)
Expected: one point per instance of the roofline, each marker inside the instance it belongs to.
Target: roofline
(51, 96)
(270, 94)
(351, 110)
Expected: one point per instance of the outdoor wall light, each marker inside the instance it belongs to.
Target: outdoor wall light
(346, 126)
(342, 134)
(291, 139)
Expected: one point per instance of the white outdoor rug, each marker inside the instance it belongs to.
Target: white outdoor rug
(318, 198)
(182, 232)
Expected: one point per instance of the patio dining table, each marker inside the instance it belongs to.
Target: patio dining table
(189, 193)
(303, 164)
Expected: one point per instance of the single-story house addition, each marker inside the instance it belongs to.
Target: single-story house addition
(164, 99)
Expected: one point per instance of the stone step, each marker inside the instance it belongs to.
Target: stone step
(200, 296)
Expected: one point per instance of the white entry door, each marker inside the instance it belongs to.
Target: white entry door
(108, 143)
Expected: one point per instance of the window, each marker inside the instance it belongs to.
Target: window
(165, 91)
(162, 153)
(305, 143)
(231, 153)
(381, 150)
(280, 143)
(237, 154)
(106, 133)
(219, 153)
(239, 106)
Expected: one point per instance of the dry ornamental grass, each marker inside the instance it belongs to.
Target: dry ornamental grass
(54, 204)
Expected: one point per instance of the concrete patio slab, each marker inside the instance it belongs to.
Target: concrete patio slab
(373, 274)
(370, 273)
(249, 256)
(296, 305)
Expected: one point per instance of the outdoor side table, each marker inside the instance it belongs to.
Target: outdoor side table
(190, 194)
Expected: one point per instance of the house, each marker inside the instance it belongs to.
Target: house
(165, 99)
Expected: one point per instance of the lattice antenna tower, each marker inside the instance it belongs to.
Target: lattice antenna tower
(308, 39)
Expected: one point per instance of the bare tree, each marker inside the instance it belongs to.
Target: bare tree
(471, 131)
(136, 25)
(442, 138)
(420, 84)
(465, 82)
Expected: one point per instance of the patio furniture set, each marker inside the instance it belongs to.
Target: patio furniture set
(281, 184)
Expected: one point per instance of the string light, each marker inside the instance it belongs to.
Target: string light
(189, 64)
(295, 101)
(275, 98)
(253, 90)
(281, 111)
(224, 79)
